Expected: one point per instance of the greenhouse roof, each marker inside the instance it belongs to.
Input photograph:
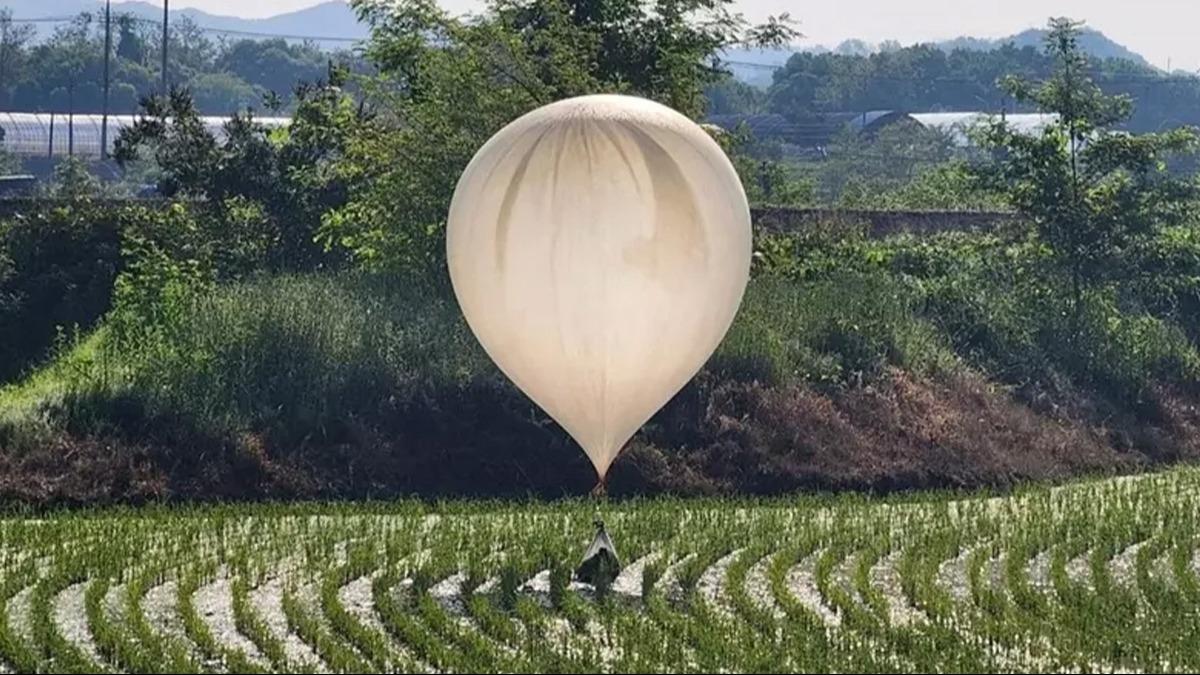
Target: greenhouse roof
(958, 124)
(46, 135)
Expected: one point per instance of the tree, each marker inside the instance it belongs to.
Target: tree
(273, 65)
(275, 181)
(73, 180)
(130, 45)
(1092, 193)
(191, 50)
(223, 93)
(860, 167)
(14, 38)
(67, 66)
(447, 85)
(731, 96)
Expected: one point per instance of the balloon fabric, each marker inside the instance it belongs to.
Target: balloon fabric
(599, 248)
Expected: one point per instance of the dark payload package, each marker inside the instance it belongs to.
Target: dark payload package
(600, 564)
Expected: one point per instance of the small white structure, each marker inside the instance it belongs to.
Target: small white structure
(959, 124)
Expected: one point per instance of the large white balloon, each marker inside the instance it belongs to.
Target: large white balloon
(599, 247)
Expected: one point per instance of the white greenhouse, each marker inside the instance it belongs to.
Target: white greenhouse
(60, 135)
(959, 124)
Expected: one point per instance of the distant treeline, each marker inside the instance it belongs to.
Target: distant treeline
(65, 72)
(929, 78)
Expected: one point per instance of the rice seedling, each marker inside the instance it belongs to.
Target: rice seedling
(1099, 575)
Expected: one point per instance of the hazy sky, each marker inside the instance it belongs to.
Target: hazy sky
(1161, 30)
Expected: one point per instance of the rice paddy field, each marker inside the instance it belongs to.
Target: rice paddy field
(1093, 576)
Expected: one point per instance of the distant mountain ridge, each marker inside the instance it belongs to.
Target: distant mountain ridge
(755, 65)
(1092, 41)
(332, 19)
(335, 19)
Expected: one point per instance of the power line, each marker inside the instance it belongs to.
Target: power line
(166, 43)
(107, 79)
(314, 38)
(46, 19)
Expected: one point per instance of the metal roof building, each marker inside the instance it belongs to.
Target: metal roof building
(959, 124)
(817, 130)
(58, 135)
(810, 131)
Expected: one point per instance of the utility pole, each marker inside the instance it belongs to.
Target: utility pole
(4, 28)
(107, 57)
(165, 40)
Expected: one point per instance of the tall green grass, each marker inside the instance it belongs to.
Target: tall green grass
(833, 331)
(301, 353)
(309, 350)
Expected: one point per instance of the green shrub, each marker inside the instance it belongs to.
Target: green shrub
(1008, 312)
(57, 268)
(297, 351)
(1128, 353)
(994, 301)
(846, 328)
(293, 356)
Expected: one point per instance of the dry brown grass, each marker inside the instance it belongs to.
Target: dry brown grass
(900, 432)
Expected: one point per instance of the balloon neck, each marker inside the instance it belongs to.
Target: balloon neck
(601, 489)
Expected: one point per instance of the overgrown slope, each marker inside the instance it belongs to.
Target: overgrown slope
(904, 364)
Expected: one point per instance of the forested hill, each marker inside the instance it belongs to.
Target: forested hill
(59, 66)
(1092, 42)
(50, 66)
(327, 19)
(929, 78)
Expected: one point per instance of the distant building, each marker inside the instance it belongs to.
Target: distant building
(813, 133)
(17, 185)
(810, 132)
(959, 124)
(46, 135)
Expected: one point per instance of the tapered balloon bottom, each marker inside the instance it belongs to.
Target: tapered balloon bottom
(601, 489)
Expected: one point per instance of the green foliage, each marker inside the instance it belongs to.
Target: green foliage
(448, 84)
(287, 353)
(169, 260)
(130, 46)
(61, 73)
(928, 77)
(295, 354)
(272, 183)
(1092, 193)
(61, 267)
(729, 95)
(14, 40)
(57, 268)
(223, 92)
(73, 180)
(947, 186)
(998, 304)
(839, 330)
(766, 179)
(899, 167)
(272, 65)
(860, 168)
